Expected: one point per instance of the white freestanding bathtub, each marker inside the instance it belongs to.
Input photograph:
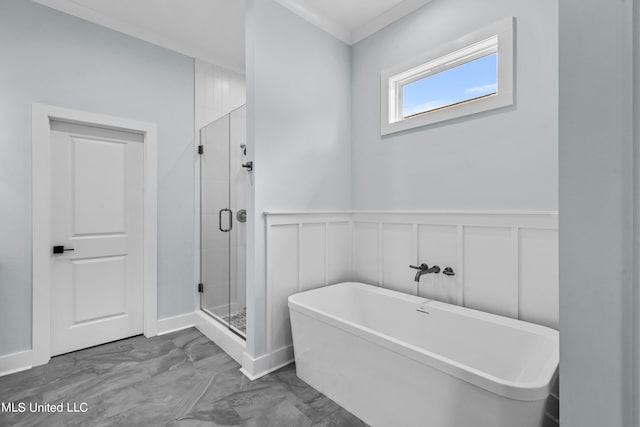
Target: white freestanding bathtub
(399, 360)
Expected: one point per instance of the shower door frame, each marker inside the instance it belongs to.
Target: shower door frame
(199, 227)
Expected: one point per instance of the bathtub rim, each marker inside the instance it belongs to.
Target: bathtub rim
(534, 390)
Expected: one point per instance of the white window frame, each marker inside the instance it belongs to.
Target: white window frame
(495, 38)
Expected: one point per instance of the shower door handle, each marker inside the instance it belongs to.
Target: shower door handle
(220, 220)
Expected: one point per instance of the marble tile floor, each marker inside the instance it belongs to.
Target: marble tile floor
(178, 379)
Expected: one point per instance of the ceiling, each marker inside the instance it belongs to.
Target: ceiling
(213, 30)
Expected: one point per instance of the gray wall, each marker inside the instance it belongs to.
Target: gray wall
(49, 57)
(298, 85)
(597, 192)
(504, 159)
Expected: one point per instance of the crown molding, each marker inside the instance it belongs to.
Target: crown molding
(353, 36)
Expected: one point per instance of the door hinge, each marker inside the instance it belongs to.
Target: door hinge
(200, 149)
(200, 287)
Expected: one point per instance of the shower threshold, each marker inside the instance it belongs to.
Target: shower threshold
(236, 321)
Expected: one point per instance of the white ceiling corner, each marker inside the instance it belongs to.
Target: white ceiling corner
(352, 20)
(209, 30)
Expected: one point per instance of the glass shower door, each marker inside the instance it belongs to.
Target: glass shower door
(223, 248)
(216, 219)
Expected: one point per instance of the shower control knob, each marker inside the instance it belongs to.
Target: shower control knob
(241, 215)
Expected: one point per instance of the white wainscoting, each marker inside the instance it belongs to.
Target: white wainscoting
(504, 262)
(304, 251)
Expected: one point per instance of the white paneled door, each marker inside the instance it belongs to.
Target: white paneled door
(96, 236)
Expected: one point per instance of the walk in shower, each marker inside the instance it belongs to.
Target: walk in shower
(223, 220)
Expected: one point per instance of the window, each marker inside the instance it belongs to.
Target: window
(465, 82)
(467, 76)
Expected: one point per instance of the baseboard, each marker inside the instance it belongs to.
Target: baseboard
(263, 365)
(176, 323)
(233, 345)
(15, 362)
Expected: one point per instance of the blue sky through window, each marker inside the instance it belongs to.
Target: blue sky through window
(467, 81)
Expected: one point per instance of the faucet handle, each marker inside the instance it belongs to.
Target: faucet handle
(422, 266)
(448, 271)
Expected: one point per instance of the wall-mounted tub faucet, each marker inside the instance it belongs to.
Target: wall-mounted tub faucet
(424, 269)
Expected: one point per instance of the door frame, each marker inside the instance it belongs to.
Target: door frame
(42, 115)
